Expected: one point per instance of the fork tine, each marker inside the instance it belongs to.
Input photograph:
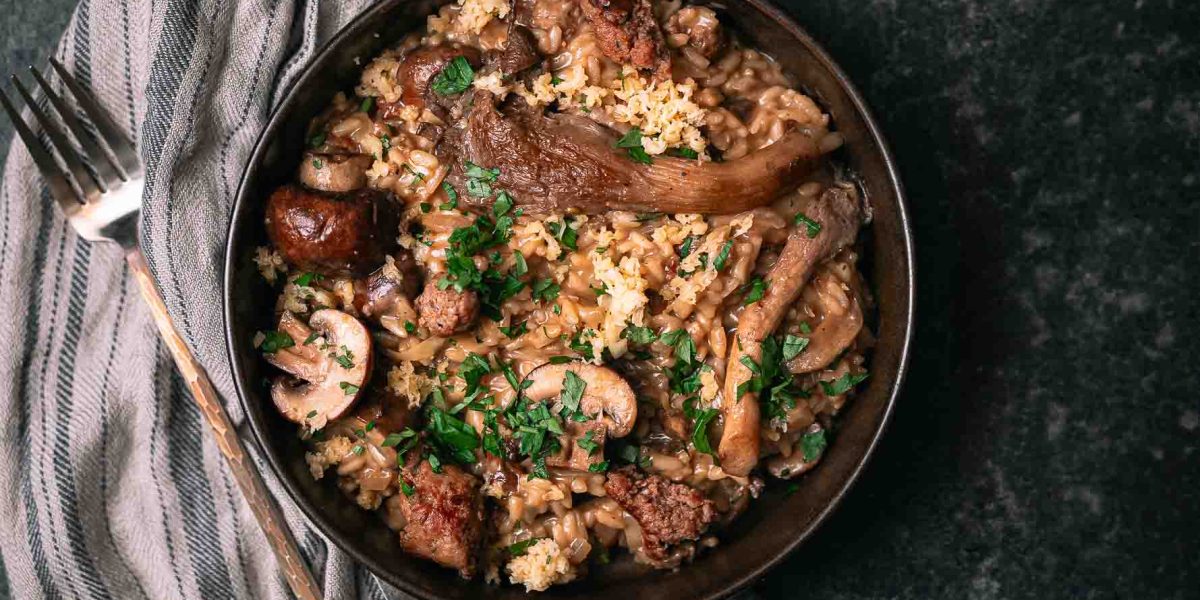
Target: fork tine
(58, 141)
(60, 188)
(104, 166)
(112, 135)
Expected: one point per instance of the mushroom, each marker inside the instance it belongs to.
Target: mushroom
(841, 321)
(838, 213)
(337, 173)
(787, 467)
(333, 234)
(607, 398)
(327, 375)
(385, 296)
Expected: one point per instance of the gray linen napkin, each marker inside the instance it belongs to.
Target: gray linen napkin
(110, 486)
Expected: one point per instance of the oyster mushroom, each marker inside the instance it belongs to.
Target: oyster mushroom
(794, 464)
(839, 214)
(327, 374)
(841, 321)
(607, 398)
(337, 173)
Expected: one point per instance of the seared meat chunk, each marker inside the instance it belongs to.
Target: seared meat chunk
(519, 52)
(442, 518)
(668, 512)
(343, 234)
(629, 34)
(564, 162)
(446, 312)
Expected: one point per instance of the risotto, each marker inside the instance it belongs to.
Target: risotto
(565, 278)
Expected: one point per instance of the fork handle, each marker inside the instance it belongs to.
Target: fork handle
(255, 491)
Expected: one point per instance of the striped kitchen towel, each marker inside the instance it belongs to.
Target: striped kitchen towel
(110, 486)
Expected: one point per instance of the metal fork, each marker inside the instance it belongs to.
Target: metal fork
(102, 204)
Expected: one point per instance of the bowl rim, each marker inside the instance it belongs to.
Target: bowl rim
(732, 585)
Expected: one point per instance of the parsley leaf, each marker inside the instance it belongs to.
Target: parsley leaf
(632, 141)
(599, 467)
(348, 388)
(274, 341)
(723, 255)
(452, 435)
(793, 345)
(572, 392)
(812, 228)
(842, 384)
(755, 290)
(519, 548)
(455, 77)
(638, 334)
(700, 431)
(306, 279)
(545, 290)
(813, 444)
(685, 153)
(587, 443)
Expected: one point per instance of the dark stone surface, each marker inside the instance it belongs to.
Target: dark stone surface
(1045, 446)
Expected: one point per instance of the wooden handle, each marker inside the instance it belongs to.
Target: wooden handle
(253, 488)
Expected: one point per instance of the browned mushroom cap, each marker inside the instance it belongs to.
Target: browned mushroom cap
(335, 173)
(327, 373)
(605, 395)
(841, 321)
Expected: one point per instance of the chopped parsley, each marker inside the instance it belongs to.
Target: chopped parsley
(545, 290)
(564, 233)
(632, 141)
(306, 279)
(842, 384)
(393, 439)
(410, 327)
(451, 436)
(514, 331)
(346, 358)
(812, 228)
(755, 290)
(770, 379)
(638, 334)
(723, 255)
(455, 77)
(348, 388)
(587, 443)
(479, 179)
(520, 267)
(504, 203)
(317, 140)
(519, 548)
(406, 487)
(318, 163)
(793, 345)
(572, 393)
(312, 337)
(685, 153)
(813, 444)
(560, 360)
(700, 430)
(274, 341)
(367, 104)
(599, 467)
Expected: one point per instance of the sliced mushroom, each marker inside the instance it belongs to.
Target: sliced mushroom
(838, 213)
(337, 173)
(607, 398)
(841, 320)
(327, 373)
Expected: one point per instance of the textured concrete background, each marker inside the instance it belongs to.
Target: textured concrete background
(1045, 446)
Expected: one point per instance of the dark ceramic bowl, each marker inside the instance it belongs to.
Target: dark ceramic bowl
(777, 522)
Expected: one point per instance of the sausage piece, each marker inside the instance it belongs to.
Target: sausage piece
(336, 235)
(442, 520)
(446, 312)
(629, 34)
(668, 512)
